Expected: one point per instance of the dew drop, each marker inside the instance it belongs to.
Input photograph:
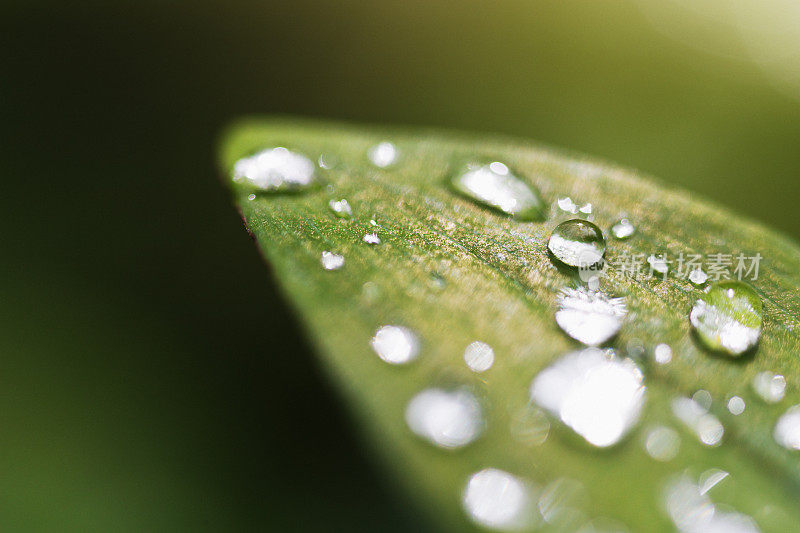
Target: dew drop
(372, 238)
(447, 419)
(589, 317)
(594, 393)
(727, 318)
(567, 205)
(662, 443)
(703, 424)
(769, 387)
(787, 429)
(341, 208)
(275, 169)
(251, 197)
(736, 405)
(577, 243)
(496, 187)
(697, 277)
(332, 261)
(623, 229)
(662, 354)
(498, 500)
(529, 425)
(479, 356)
(703, 399)
(692, 511)
(383, 154)
(711, 478)
(658, 264)
(560, 503)
(396, 345)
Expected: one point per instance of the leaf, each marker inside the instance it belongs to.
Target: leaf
(455, 272)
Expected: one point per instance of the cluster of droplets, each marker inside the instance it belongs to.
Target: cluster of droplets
(594, 392)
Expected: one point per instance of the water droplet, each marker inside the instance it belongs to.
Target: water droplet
(498, 500)
(662, 443)
(395, 344)
(372, 238)
(383, 154)
(727, 318)
(769, 387)
(697, 277)
(341, 208)
(530, 426)
(589, 317)
(332, 261)
(567, 205)
(692, 511)
(787, 430)
(623, 229)
(447, 419)
(658, 264)
(736, 405)
(703, 399)
(251, 197)
(577, 243)
(326, 161)
(479, 356)
(594, 393)
(560, 503)
(496, 187)
(275, 169)
(694, 416)
(710, 479)
(662, 354)
(586, 209)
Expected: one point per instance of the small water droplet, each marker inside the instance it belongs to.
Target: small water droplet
(662, 354)
(396, 345)
(326, 161)
(372, 238)
(383, 154)
(275, 169)
(787, 429)
(561, 501)
(662, 443)
(498, 500)
(769, 387)
(703, 399)
(727, 318)
(341, 208)
(589, 317)
(623, 229)
(658, 264)
(706, 426)
(530, 426)
(736, 405)
(496, 187)
(594, 393)
(577, 243)
(332, 261)
(567, 205)
(586, 209)
(251, 197)
(697, 277)
(479, 356)
(447, 419)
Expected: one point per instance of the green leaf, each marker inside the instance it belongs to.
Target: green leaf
(455, 272)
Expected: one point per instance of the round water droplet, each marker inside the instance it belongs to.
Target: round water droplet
(707, 427)
(703, 399)
(736, 405)
(332, 261)
(496, 187)
(276, 170)
(447, 419)
(341, 208)
(577, 243)
(479, 356)
(530, 426)
(595, 394)
(251, 197)
(658, 264)
(727, 318)
(372, 238)
(662, 443)
(662, 354)
(589, 317)
(567, 205)
(697, 277)
(787, 430)
(769, 387)
(383, 154)
(623, 229)
(395, 344)
(498, 500)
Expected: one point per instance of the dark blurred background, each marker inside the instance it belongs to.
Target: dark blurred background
(151, 378)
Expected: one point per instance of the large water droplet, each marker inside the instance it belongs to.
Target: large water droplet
(341, 208)
(479, 356)
(331, 261)
(448, 419)
(383, 154)
(495, 186)
(769, 387)
(623, 229)
(662, 443)
(395, 344)
(275, 169)
(706, 426)
(589, 317)
(498, 500)
(577, 243)
(594, 393)
(727, 318)
(787, 430)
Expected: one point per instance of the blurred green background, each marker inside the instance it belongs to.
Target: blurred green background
(151, 378)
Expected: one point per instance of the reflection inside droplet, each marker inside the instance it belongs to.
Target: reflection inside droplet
(396, 345)
(594, 393)
(494, 186)
(589, 317)
(448, 419)
(498, 500)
